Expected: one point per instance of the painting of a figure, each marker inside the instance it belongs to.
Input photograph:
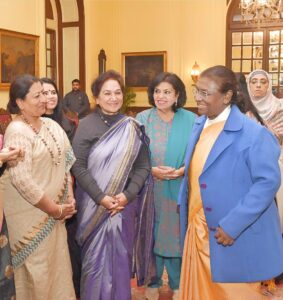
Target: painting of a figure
(139, 68)
(19, 55)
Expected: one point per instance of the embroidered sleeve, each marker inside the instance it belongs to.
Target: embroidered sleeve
(21, 174)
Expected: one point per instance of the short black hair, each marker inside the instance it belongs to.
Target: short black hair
(18, 90)
(102, 78)
(76, 80)
(225, 78)
(177, 84)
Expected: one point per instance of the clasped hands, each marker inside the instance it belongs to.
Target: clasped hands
(223, 238)
(114, 204)
(167, 173)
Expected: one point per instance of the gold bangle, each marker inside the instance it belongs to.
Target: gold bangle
(61, 212)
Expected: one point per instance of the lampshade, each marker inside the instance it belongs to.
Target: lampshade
(195, 72)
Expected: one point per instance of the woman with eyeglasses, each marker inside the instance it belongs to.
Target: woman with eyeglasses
(229, 220)
(270, 109)
(168, 126)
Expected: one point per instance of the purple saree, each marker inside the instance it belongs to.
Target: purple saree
(113, 248)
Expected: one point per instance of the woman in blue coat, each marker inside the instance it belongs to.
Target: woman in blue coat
(229, 221)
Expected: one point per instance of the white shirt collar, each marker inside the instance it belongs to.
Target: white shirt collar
(221, 117)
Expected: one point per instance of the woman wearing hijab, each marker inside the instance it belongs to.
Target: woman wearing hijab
(270, 109)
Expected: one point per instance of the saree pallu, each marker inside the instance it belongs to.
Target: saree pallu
(115, 247)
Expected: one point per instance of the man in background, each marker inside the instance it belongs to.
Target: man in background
(76, 100)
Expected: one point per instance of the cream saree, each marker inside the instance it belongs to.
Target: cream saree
(39, 248)
(196, 282)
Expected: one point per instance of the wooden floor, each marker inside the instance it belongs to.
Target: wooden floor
(166, 294)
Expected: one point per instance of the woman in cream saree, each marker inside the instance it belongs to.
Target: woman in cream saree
(38, 241)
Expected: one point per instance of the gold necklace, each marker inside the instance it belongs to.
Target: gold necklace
(44, 141)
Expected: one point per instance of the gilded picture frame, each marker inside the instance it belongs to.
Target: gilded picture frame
(139, 68)
(19, 55)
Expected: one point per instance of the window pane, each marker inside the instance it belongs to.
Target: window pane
(247, 38)
(247, 52)
(257, 64)
(49, 72)
(48, 57)
(236, 65)
(48, 38)
(281, 65)
(236, 52)
(274, 78)
(274, 51)
(273, 65)
(236, 38)
(281, 79)
(274, 37)
(257, 51)
(246, 66)
(258, 37)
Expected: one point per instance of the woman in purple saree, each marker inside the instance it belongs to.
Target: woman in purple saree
(115, 208)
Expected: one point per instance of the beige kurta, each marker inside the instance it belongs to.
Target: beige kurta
(196, 282)
(38, 243)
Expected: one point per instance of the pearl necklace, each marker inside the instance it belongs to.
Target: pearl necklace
(44, 141)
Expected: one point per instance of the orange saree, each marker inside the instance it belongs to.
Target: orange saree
(196, 283)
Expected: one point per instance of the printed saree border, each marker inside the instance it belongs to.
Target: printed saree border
(31, 241)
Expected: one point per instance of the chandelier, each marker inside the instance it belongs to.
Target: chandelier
(256, 11)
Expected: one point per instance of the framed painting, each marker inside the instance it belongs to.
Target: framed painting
(139, 68)
(19, 55)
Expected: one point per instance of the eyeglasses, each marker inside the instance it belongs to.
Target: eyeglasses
(202, 93)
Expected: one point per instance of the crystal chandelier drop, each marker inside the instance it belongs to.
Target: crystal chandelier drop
(256, 11)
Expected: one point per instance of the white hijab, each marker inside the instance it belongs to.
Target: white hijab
(268, 105)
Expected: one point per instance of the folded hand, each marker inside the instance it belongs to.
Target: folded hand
(223, 238)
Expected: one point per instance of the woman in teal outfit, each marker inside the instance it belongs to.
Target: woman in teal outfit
(168, 126)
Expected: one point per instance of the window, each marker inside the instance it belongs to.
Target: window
(255, 46)
(51, 54)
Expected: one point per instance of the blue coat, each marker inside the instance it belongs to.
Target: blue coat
(238, 184)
